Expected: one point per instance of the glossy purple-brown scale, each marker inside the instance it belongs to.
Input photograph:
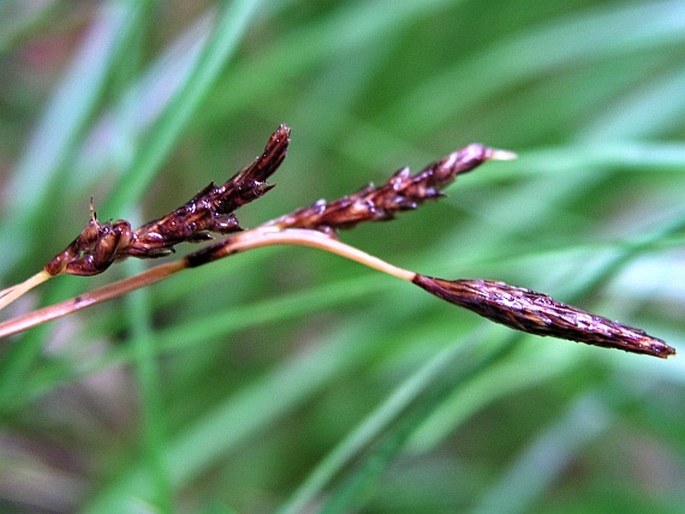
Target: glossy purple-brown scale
(94, 250)
(210, 210)
(403, 191)
(537, 313)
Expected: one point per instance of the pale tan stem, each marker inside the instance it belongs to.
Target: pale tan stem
(10, 294)
(255, 238)
(269, 236)
(108, 292)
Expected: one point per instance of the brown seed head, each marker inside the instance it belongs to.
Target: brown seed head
(211, 210)
(537, 313)
(403, 191)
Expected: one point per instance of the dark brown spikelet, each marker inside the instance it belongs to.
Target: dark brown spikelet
(403, 191)
(211, 210)
(537, 313)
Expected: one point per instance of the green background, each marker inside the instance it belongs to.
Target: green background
(289, 380)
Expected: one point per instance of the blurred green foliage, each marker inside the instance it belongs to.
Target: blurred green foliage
(287, 380)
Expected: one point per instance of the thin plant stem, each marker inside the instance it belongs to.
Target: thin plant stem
(270, 236)
(77, 303)
(251, 239)
(10, 294)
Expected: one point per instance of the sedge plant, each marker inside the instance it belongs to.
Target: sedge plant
(212, 210)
